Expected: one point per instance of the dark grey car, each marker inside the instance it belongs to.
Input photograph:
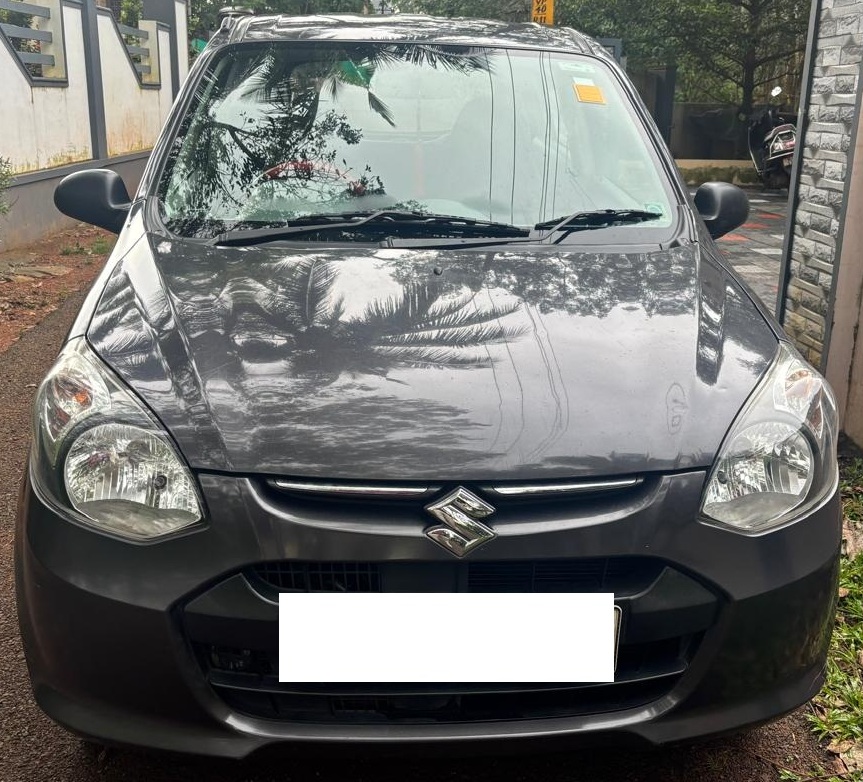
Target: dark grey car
(417, 305)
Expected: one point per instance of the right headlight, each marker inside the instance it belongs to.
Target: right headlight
(778, 460)
(102, 458)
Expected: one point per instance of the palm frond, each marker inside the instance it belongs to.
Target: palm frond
(395, 315)
(309, 287)
(453, 58)
(466, 337)
(336, 311)
(459, 313)
(381, 109)
(429, 357)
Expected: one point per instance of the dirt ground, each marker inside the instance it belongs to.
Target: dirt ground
(35, 279)
(35, 312)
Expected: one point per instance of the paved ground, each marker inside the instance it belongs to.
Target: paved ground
(755, 249)
(32, 749)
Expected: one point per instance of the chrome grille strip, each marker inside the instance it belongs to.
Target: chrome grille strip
(348, 489)
(579, 487)
(404, 491)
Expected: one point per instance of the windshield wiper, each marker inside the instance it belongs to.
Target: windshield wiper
(398, 220)
(601, 218)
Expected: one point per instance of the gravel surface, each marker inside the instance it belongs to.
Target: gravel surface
(33, 749)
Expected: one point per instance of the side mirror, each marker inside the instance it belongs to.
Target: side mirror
(96, 196)
(723, 207)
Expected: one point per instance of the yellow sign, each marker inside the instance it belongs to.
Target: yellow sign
(588, 93)
(543, 11)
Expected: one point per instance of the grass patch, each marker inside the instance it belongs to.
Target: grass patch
(838, 711)
(737, 175)
(101, 246)
(76, 249)
(836, 715)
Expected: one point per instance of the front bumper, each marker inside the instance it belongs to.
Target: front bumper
(138, 643)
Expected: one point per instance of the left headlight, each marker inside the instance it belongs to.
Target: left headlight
(102, 458)
(779, 459)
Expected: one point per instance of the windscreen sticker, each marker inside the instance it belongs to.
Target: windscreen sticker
(587, 92)
(577, 67)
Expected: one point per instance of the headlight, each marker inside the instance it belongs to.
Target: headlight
(779, 459)
(102, 458)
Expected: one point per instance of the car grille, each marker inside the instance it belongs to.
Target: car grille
(620, 575)
(648, 667)
(246, 681)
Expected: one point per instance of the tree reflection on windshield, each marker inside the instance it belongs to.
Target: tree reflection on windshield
(260, 142)
(287, 128)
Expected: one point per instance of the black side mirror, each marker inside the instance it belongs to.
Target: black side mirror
(723, 207)
(96, 196)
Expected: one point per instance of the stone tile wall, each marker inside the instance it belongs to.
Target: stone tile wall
(823, 179)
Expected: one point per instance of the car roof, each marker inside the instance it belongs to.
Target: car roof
(413, 28)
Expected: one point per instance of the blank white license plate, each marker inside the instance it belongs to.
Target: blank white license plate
(447, 637)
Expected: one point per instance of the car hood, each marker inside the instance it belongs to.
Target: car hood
(369, 363)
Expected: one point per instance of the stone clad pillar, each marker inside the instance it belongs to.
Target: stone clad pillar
(845, 357)
(823, 258)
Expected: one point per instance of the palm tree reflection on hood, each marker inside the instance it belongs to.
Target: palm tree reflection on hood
(295, 316)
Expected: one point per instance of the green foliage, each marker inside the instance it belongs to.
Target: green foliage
(730, 51)
(5, 182)
(204, 15)
(852, 491)
(507, 10)
(22, 44)
(101, 246)
(130, 12)
(838, 711)
(16, 18)
(73, 249)
(727, 51)
(739, 175)
(838, 714)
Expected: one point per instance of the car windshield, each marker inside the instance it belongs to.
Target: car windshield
(282, 130)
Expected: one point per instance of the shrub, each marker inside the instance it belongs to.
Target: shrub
(5, 181)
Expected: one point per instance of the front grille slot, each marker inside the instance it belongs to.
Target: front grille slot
(587, 575)
(620, 575)
(320, 576)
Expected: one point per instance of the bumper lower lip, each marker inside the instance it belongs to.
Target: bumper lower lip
(110, 653)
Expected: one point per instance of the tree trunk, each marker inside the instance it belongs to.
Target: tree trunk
(746, 104)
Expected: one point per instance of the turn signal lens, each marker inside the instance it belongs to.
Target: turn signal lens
(71, 392)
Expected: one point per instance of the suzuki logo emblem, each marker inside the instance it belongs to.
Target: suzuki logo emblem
(460, 530)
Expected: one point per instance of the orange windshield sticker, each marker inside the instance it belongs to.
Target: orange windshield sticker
(588, 93)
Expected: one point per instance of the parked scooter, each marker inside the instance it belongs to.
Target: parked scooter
(772, 140)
